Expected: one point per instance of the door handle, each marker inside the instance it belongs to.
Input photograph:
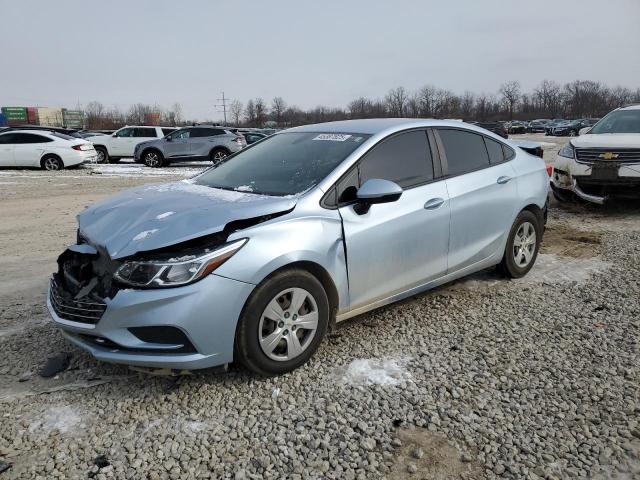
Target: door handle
(504, 179)
(433, 203)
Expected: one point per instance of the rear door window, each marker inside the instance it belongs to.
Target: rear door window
(21, 138)
(465, 151)
(206, 132)
(145, 132)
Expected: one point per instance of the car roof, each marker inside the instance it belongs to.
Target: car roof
(635, 106)
(373, 126)
(26, 130)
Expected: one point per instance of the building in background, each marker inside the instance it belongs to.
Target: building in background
(50, 116)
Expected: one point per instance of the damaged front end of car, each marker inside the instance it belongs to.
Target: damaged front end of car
(139, 309)
(596, 175)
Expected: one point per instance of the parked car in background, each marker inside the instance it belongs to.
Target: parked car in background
(252, 137)
(548, 129)
(201, 142)
(518, 126)
(498, 128)
(253, 260)
(603, 163)
(44, 149)
(122, 143)
(537, 126)
(571, 128)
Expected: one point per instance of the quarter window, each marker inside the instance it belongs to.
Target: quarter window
(496, 154)
(465, 151)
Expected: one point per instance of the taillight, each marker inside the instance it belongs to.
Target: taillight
(82, 147)
(549, 170)
(238, 140)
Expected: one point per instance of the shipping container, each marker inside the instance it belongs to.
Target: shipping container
(152, 118)
(50, 116)
(3, 120)
(73, 118)
(15, 114)
(32, 115)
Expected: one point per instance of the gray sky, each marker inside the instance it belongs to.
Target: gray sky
(324, 52)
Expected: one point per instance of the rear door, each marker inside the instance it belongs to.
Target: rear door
(483, 194)
(399, 245)
(6, 149)
(204, 139)
(29, 148)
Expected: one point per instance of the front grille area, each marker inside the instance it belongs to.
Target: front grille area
(591, 155)
(84, 310)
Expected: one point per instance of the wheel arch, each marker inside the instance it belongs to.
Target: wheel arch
(322, 275)
(220, 147)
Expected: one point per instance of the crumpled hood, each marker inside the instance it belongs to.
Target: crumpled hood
(607, 140)
(158, 216)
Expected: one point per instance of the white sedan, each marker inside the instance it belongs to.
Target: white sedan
(44, 149)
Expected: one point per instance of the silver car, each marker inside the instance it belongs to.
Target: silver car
(200, 142)
(255, 259)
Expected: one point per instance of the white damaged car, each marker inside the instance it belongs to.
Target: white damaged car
(603, 162)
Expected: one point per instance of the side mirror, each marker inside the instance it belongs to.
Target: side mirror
(168, 139)
(584, 131)
(375, 191)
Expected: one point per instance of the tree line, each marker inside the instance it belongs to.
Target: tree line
(577, 99)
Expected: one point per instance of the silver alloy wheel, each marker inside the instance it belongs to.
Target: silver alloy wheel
(219, 156)
(524, 244)
(151, 159)
(100, 156)
(572, 133)
(288, 324)
(51, 163)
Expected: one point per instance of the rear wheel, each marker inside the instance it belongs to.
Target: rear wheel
(217, 155)
(153, 159)
(522, 245)
(102, 155)
(51, 163)
(282, 323)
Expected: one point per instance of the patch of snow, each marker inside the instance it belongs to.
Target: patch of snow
(185, 258)
(164, 215)
(552, 269)
(64, 419)
(188, 186)
(245, 188)
(145, 234)
(275, 393)
(375, 371)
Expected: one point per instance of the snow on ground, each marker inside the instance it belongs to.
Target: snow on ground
(377, 371)
(552, 269)
(61, 418)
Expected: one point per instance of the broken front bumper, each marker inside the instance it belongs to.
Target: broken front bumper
(597, 182)
(204, 314)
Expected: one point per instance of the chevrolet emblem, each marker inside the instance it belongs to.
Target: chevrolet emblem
(608, 156)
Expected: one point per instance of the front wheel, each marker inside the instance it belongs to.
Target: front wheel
(283, 323)
(102, 156)
(522, 245)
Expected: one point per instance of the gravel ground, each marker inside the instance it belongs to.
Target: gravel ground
(485, 378)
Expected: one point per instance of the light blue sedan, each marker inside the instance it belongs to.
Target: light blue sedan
(254, 259)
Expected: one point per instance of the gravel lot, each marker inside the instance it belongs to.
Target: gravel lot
(485, 378)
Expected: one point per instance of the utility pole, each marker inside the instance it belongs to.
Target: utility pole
(224, 101)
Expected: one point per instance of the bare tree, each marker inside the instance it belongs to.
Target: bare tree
(396, 101)
(261, 112)
(510, 92)
(278, 107)
(250, 114)
(236, 112)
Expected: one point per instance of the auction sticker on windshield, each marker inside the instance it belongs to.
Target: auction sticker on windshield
(333, 137)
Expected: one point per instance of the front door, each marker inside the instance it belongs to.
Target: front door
(179, 145)
(400, 245)
(6, 149)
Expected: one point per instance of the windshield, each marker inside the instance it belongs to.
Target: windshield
(283, 164)
(619, 121)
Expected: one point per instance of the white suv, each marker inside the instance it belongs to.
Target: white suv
(603, 162)
(122, 143)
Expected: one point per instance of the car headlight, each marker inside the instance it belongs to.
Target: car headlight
(567, 151)
(176, 271)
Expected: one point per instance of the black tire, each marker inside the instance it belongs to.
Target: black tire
(153, 158)
(103, 155)
(508, 266)
(217, 155)
(247, 342)
(51, 163)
